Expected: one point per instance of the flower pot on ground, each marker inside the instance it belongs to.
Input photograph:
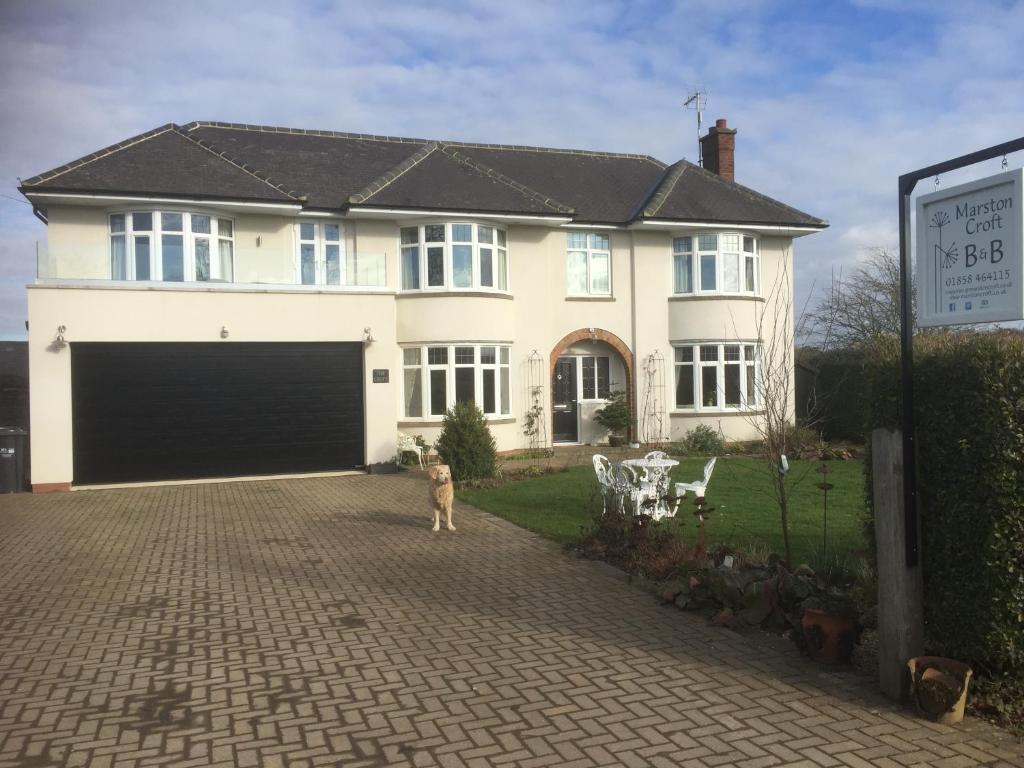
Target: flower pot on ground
(938, 687)
(829, 636)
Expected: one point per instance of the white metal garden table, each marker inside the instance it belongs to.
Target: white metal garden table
(653, 483)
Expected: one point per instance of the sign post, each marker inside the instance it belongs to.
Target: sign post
(907, 182)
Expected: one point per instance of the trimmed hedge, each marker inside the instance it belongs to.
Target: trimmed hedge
(969, 400)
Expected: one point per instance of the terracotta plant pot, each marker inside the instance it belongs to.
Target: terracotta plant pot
(938, 687)
(829, 638)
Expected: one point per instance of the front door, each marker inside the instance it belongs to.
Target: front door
(566, 413)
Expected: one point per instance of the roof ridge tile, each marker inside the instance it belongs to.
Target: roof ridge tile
(523, 189)
(408, 140)
(262, 176)
(387, 177)
(100, 153)
(664, 188)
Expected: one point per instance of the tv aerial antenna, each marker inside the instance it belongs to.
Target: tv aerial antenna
(698, 100)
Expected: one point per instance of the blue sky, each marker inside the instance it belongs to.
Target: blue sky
(832, 100)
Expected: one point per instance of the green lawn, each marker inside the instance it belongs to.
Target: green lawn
(556, 505)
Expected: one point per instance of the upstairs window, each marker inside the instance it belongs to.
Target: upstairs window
(725, 263)
(454, 256)
(171, 246)
(588, 264)
(321, 258)
(321, 249)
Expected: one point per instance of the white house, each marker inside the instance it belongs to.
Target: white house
(222, 300)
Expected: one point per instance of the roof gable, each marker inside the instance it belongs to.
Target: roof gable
(449, 179)
(327, 169)
(600, 187)
(690, 193)
(161, 162)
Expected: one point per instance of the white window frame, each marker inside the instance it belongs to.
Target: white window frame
(719, 253)
(597, 387)
(502, 372)
(320, 244)
(591, 252)
(498, 246)
(218, 222)
(750, 356)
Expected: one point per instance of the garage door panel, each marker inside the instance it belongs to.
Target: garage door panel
(170, 411)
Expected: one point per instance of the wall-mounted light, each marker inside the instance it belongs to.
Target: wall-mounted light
(58, 340)
(223, 331)
(367, 336)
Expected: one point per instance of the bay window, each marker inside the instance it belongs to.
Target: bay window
(717, 376)
(722, 263)
(459, 256)
(171, 246)
(588, 262)
(436, 377)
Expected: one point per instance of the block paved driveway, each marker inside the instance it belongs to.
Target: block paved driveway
(320, 622)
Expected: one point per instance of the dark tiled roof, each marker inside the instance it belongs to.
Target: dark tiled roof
(690, 193)
(161, 162)
(601, 187)
(326, 168)
(331, 170)
(450, 181)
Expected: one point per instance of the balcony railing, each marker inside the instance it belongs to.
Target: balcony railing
(359, 272)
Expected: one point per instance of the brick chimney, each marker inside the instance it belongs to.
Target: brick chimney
(718, 148)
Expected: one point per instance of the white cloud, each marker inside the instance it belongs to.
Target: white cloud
(828, 116)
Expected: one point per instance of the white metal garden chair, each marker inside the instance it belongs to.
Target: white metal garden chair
(699, 487)
(603, 470)
(407, 443)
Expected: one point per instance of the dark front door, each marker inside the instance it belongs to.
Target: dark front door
(566, 416)
(172, 411)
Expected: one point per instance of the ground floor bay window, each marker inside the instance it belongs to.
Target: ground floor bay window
(717, 376)
(435, 377)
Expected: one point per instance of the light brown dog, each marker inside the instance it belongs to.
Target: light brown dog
(441, 495)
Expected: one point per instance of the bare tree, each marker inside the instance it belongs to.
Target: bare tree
(774, 412)
(860, 308)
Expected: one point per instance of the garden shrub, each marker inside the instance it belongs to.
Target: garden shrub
(969, 395)
(703, 440)
(466, 444)
(634, 543)
(615, 416)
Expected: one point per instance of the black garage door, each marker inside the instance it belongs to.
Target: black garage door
(170, 411)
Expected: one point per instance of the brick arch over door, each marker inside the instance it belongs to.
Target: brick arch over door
(599, 334)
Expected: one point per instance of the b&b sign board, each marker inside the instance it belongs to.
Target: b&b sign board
(970, 260)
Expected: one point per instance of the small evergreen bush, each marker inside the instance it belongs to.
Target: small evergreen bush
(615, 416)
(466, 444)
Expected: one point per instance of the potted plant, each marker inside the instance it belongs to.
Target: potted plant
(829, 624)
(615, 417)
(938, 687)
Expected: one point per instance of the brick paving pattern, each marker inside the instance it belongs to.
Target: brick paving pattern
(320, 622)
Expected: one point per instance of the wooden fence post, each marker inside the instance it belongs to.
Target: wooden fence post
(900, 589)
